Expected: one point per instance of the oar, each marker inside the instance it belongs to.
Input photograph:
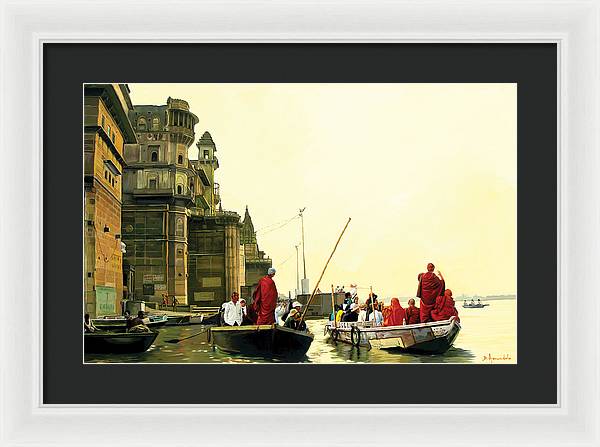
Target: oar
(322, 273)
(177, 340)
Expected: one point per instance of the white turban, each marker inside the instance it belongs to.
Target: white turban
(271, 271)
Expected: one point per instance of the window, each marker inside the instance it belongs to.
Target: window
(106, 175)
(206, 154)
(108, 130)
(192, 186)
(152, 183)
(141, 123)
(180, 159)
(113, 137)
(154, 156)
(103, 123)
(179, 189)
(155, 123)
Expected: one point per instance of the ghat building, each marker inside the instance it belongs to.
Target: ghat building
(107, 130)
(179, 240)
(256, 261)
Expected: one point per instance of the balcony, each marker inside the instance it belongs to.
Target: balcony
(152, 192)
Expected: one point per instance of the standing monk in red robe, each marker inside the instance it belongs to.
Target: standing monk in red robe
(444, 307)
(264, 299)
(430, 287)
(412, 313)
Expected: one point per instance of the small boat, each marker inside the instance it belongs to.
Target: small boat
(118, 342)
(424, 338)
(178, 320)
(473, 305)
(119, 323)
(270, 340)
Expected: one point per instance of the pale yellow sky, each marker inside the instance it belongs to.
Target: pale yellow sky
(428, 172)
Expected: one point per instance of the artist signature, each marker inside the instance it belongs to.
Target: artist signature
(495, 358)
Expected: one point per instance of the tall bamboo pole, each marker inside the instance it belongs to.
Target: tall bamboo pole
(333, 306)
(323, 272)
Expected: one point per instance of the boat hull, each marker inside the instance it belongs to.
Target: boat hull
(474, 306)
(264, 341)
(118, 343)
(426, 338)
(120, 323)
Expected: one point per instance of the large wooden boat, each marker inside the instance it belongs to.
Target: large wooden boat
(111, 323)
(425, 338)
(271, 341)
(118, 342)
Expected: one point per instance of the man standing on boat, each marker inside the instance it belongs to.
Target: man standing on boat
(232, 311)
(264, 299)
(430, 287)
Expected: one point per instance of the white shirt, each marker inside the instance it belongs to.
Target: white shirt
(279, 312)
(362, 316)
(379, 317)
(232, 313)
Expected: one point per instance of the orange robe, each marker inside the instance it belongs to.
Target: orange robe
(444, 308)
(264, 300)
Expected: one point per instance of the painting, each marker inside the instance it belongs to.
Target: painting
(310, 223)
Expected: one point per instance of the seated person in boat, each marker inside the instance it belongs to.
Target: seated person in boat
(412, 313)
(232, 312)
(88, 325)
(339, 314)
(351, 314)
(347, 301)
(294, 321)
(444, 307)
(369, 306)
(362, 313)
(395, 314)
(264, 299)
(377, 315)
(137, 324)
(337, 308)
(430, 287)
(280, 311)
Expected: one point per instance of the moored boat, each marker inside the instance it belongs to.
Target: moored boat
(424, 338)
(120, 323)
(271, 341)
(118, 342)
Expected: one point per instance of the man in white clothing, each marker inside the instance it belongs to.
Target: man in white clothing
(232, 311)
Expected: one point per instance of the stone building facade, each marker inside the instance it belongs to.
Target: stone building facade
(106, 130)
(159, 188)
(179, 240)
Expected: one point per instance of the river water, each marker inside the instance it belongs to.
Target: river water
(488, 335)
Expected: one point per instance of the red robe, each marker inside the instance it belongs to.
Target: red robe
(264, 300)
(395, 316)
(430, 287)
(444, 308)
(412, 315)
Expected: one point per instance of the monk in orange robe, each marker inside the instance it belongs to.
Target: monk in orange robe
(430, 287)
(444, 307)
(264, 299)
(395, 315)
(412, 313)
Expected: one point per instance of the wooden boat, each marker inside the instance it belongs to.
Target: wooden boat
(120, 323)
(178, 320)
(118, 342)
(264, 341)
(473, 305)
(425, 338)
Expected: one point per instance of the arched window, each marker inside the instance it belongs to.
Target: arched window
(192, 186)
(155, 123)
(154, 156)
(141, 123)
(180, 159)
(179, 189)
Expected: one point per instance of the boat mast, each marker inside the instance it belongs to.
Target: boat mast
(301, 214)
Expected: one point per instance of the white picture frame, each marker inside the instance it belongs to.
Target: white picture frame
(574, 26)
